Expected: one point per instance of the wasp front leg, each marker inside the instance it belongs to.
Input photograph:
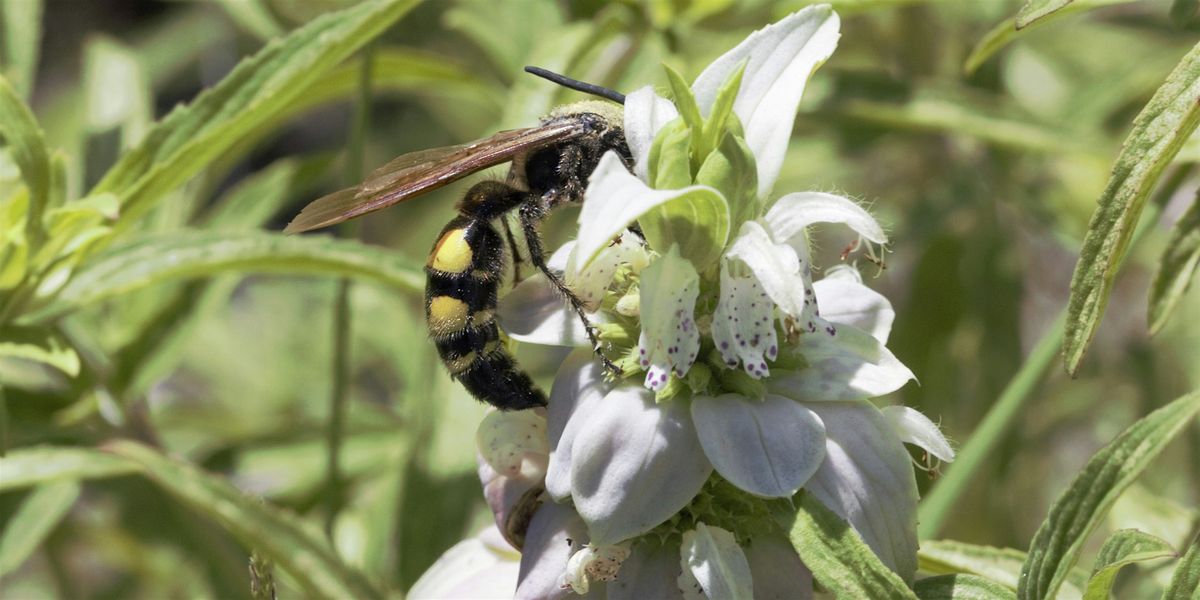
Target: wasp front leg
(530, 216)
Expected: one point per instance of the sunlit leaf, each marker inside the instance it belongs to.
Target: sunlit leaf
(961, 587)
(1009, 29)
(1056, 545)
(1002, 565)
(1158, 133)
(20, 38)
(25, 467)
(280, 536)
(164, 258)
(838, 558)
(1186, 581)
(192, 136)
(42, 346)
(1176, 268)
(1122, 548)
(27, 146)
(37, 516)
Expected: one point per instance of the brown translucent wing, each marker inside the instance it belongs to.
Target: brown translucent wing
(413, 174)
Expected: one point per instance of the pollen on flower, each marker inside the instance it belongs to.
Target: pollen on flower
(593, 563)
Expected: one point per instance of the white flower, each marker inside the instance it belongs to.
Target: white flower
(481, 567)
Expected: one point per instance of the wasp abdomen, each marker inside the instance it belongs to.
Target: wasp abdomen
(462, 278)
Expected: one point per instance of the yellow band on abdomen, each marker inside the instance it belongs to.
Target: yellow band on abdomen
(452, 254)
(447, 315)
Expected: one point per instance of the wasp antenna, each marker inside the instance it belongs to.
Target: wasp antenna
(575, 84)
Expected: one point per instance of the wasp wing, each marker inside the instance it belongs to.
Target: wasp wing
(413, 174)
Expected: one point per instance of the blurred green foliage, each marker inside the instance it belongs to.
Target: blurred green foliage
(153, 299)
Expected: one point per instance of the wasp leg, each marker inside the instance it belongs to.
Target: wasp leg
(530, 215)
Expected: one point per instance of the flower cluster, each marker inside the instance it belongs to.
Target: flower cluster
(744, 380)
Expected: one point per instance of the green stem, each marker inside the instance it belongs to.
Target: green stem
(936, 506)
(342, 323)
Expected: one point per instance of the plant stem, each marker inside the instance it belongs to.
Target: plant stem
(342, 323)
(936, 507)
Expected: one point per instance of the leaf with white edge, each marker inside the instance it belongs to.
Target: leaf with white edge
(778, 61)
(39, 345)
(27, 146)
(1122, 548)
(645, 114)
(1158, 133)
(913, 427)
(669, 163)
(184, 255)
(1185, 583)
(838, 558)
(867, 478)
(961, 587)
(1008, 30)
(710, 557)
(634, 464)
(768, 448)
(25, 467)
(191, 137)
(20, 39)
(1057, 543)
(716, 123)
(1003, 565)
(616, 198)
(38, 515)
(273, 533)
(1176, 268)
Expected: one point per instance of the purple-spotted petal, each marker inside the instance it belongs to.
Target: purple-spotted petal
(635, 464)
(577, 388)
(867, 479)
(783, 271)
(670, 340)
(777, 570)
(743, 327)
(844, 363)
(554, 535)
(768, 447)
(845, 300)
(651, 571)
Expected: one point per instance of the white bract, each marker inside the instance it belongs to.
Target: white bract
(735, 360)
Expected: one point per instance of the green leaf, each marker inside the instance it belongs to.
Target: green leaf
(25, 467)
(838, 558)
(1075, 513)
(39, 345)
(37, 516)
(116, 91)
(681, 94)
(731, 170)
(20, 37)
(1002, 565)
(697, 221)
(1036, 10)
(1008, 30)
(273, 533)
(254, 16)
(961, 587)
(193, 136)
(716, 125)
(184, 255)
(1176, 268)
(27, 146)
(1158, 133)
(669, 159)
(1186, 580)
(1122, 548)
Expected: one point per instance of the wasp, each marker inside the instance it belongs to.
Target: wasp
(497, 225)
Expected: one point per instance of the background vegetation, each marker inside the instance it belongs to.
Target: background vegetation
(159, 304)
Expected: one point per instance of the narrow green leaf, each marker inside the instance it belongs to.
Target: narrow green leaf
(961, 587)
(1078, 510)
(254, 16)
(37, 516)
(1009, 29)
(1185, 583)
(1002, 565)
(715, 126)
(698, 222)
(27, 146)
(274, 533)
(191, 137)
(1158, 133)
(1122, 548)
(1176, 268)
(684, 100)
(1036, 10)
(670, 165)
(20, 38)
(25, 467)
(838, 558)
(39, 345)
(185, 255)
